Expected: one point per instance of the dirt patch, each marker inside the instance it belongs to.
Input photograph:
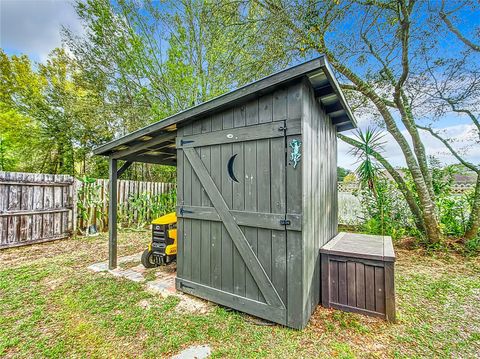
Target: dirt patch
(189, 304)
(145, 304)
(76, 251)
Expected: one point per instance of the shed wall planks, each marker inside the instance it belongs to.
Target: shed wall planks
(252, 193)
(319, 157)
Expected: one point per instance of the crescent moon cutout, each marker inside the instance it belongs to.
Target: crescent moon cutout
(230, 168)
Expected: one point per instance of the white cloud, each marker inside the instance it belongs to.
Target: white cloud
(32, 27)
(463, 136)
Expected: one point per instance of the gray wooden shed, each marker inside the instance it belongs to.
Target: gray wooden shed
(256, 188)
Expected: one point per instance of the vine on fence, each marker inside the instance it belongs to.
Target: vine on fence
(138, 210)
(89, 204)
(142, 208)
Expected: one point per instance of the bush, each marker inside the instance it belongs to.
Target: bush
(453, 214)
(472, 246)
(387, 213)
(385, 210)
(453, 209)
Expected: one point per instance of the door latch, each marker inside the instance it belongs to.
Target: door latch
(285, 222)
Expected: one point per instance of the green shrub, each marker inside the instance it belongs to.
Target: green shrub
(472, 246)
(453, 209)
(453, 213)
(386, 211)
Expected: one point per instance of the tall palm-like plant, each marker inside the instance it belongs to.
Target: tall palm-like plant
(368, 170)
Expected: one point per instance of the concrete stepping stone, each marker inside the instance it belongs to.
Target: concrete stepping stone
(128, 274)
(103, 266)
(194, 352)
(164, 285)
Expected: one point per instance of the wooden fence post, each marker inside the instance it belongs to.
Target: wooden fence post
(76, 184)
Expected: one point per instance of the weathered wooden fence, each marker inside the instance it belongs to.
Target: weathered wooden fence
(35, 208)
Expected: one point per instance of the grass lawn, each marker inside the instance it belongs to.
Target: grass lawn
(52, 306)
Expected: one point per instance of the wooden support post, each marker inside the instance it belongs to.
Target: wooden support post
(112, 215)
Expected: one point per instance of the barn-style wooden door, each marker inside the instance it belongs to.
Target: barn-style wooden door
(232, 212)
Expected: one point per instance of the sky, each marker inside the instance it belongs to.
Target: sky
(32, 27)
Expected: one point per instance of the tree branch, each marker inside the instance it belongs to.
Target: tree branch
(450, 148)
(455, 31)
(401, 101)
(349, 87)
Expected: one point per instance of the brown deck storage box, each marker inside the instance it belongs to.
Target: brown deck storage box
(358, 274)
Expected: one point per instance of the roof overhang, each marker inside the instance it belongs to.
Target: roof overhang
(156, 143)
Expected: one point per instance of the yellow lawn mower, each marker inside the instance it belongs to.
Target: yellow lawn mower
(163, 248)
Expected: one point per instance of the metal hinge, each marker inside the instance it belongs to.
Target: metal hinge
(182, 285)
(184, 142)
(285, 222)
(182, 211)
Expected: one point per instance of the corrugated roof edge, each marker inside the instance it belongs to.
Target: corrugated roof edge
(263, 84)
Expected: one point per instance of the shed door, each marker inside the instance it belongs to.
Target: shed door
(232, 245)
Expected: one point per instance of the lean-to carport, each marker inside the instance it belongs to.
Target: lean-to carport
(157, 149)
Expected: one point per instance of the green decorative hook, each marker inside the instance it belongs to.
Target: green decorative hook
(295, 155)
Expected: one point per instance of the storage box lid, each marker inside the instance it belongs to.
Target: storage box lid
(361, 246)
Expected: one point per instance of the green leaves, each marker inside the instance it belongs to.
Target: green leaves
(368, 170)
(51, 116)
(142, 208)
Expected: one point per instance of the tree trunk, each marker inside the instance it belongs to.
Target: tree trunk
(474, 220)
(430, 220)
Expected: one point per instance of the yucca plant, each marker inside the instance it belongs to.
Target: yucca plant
(368, 170)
